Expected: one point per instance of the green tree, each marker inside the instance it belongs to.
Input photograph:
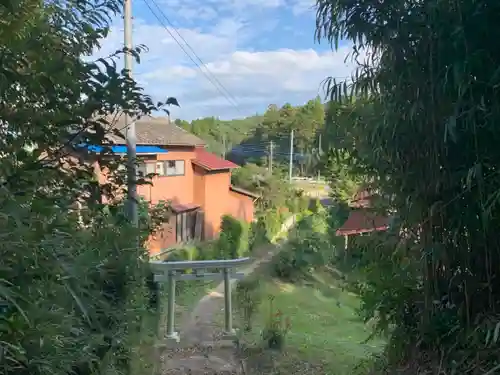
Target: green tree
(73, 287)
(272, 121)
(430, 142)
(183, 124)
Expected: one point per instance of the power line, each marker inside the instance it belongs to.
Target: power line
(211, 78)
(193, 51)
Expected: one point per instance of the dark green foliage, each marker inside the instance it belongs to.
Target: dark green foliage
(254, 134)
(233, 238)
(425, 132)
(336, 216)
(278, 200)
(276, 329)
(308, 248)
(248, 299)
(153, 292)
(221, 135)
(82, 291)
(315, 206)
(258, 234)
(72, 275)
(272, 220)
(274, 191)
(303, 203)
(300, 256)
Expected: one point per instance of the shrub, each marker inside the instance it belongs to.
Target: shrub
(276, 329)
(77, 297)
(293, 204)
(337, 214)
(258, 234)
(248, 299)
(301, 256)
(207, 250)
(304, 203)
(272, 222)
(233, 238)
(284, 265)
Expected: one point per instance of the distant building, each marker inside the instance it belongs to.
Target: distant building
(361, 220)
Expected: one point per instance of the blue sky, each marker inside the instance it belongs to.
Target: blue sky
(262, 52)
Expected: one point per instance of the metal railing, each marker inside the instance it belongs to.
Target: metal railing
(170, 272)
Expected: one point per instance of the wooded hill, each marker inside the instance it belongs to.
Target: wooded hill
(251, 137)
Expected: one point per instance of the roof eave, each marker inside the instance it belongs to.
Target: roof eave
(194, 145)
(349, 232)
(207, 168)
(244, 192)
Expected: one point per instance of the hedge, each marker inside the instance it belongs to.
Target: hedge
(233, 239)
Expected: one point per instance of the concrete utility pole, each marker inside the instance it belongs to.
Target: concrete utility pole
(224, 146)
(319, 155)
(291, 157)
(132, 209)
(271, 150)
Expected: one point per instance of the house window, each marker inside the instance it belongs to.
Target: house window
(144, 169)
(174, 168)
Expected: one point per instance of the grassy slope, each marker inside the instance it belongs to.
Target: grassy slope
(325, 328)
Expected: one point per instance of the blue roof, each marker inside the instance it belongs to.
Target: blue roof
(122, 149)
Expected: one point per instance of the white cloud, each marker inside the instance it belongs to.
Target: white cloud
(185, 7)
(300, 7)
(254, 79)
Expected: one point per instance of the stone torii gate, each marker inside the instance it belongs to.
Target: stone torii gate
(170, 272)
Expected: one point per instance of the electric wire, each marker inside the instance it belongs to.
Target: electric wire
(193, 51)
(207, 76)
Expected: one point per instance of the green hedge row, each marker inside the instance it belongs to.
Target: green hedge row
(233, 242)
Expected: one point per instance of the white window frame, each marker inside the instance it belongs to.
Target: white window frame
(146, 168)
(160, 168)
(179, 168)
(150, 168)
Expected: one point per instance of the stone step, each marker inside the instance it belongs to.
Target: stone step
(203, 345)
(200, 364)
(205, 358)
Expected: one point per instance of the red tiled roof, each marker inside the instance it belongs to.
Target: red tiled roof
(362, 221)
(211, 162)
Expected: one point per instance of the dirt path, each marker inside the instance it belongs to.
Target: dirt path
(202, 350)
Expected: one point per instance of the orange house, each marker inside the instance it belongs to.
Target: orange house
(196, 182)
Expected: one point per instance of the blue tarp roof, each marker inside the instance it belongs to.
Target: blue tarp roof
(122, 149)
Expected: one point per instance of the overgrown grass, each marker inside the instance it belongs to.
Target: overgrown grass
(326, 334)
(145, 359)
